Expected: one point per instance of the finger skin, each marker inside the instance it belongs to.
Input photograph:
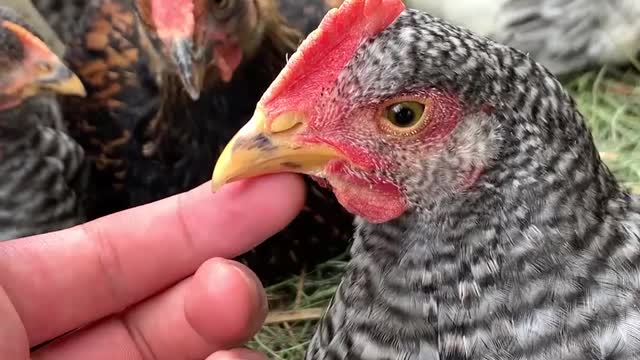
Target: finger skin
(225, 298)
(231, 326)
(91, 271)
(237, 354)
(13, 337)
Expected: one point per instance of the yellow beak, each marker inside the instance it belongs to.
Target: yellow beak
(62, 81)
(260, 149)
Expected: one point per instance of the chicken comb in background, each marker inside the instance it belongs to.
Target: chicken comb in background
(32, 45)
(44, 173)
(172, 18)
(33, 17)
(25, 37)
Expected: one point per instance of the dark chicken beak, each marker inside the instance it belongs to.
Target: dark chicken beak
(190, 69)
(61, 80)
(260, 148)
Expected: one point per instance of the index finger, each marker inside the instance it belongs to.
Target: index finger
(62, 280)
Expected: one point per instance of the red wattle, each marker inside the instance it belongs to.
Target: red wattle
(227, 59)
(370, 203)
(375, 201)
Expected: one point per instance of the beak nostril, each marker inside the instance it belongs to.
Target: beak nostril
(286, 122)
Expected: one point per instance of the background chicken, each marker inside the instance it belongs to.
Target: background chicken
(34, 18)
(488, 227)
(44, 174)
(565, 36)
(109, 55)
(149, 138)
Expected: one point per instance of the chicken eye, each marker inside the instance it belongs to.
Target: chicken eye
(404, 118)
(222, 10)
(222, 4)
(405, 114)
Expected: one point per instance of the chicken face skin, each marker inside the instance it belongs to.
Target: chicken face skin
(29, 67)
(405, 135)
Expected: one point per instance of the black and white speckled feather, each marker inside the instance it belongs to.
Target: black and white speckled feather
(564, 35)
(538, 259)
(44, 171)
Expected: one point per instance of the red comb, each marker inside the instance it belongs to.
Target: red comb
(29, 40)
(173, 18)
(326, 51)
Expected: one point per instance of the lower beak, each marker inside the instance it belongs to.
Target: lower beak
(190, 70)
(258, 149)
(62, 81)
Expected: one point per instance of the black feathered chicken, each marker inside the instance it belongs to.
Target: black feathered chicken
(163, 98)
(488, 227)
(43, 172)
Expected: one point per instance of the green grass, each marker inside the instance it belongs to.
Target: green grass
(308, 293)
(609, 99)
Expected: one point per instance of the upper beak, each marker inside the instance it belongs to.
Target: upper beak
(61, 80)
(260, 148)
(190, 68)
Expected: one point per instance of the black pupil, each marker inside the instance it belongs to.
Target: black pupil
(402, 115)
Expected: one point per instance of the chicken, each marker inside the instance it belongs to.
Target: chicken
(198, 39)
(121, 78)
(181, 141)
(565, 36)
(487, 225)
(44, 174)
(147, 137)
(34, 18)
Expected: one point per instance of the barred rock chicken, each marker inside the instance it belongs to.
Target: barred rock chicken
(148, 138)
(487, 225)
(565, 36)
(43, 168)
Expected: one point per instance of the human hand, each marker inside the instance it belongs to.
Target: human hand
(129, 278)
